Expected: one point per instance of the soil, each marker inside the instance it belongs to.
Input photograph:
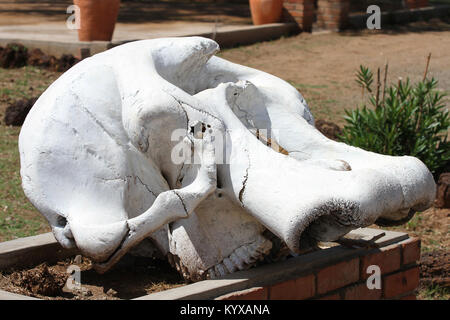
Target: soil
(435, 269)
(328, 129)
(16, 113)
(432, 226)
(131, 278)
(15, 55)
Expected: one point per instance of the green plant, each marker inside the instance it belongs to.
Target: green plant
(408, 119)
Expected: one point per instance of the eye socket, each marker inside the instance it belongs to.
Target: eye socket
(61, 221)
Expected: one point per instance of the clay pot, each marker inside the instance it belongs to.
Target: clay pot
(266, 11)
(98, 18)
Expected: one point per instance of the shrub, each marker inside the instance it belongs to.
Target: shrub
(406, 120)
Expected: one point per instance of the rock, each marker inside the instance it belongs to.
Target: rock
(16, 113)
(443, 191)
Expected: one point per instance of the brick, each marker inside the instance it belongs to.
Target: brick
(411, 251)
(289, 6)
(337, 276)
(296, 289)
(257, 293)
(334, 296)
(387, 258)
(409, 297)
(361, 292)
(300, 11)
(400, 282)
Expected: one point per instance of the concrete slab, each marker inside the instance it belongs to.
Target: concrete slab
(55, 39)
(32, 251)
(366, 234)
(5, 295)
(57, 30)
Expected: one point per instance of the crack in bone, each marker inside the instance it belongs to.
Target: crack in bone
(182, 202)
(146, 186)
(97, 122)
(126, 179)
(241, 192)
(198, 110)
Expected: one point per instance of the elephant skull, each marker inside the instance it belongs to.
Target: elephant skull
(218, 164)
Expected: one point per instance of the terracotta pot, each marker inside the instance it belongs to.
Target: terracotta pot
(266, 11)
(98, 19)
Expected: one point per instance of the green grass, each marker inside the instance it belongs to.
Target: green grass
(18, 217)
(434, 292)
(25, 86)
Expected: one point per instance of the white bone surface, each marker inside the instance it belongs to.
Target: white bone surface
(97, 160)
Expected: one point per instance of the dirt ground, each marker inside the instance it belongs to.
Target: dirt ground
(131, 278)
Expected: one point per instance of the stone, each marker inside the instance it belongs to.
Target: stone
(160, 139)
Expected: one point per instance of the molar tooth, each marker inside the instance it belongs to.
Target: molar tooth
(229, 265)
(244, 254)
(238, 262)
(220, 270)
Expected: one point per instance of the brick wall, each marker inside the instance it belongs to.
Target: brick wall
(332, 14)
(347, 279)
(299, 11)
(360, 6)
(328, 14)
